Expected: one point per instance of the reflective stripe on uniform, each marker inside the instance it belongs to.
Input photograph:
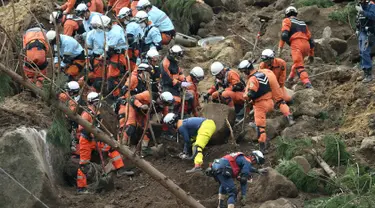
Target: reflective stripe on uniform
(301, 23)
(105, 147)
(116, 158)
(79, 177)
(84, 161)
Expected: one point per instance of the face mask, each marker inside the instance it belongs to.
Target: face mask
(143, 25)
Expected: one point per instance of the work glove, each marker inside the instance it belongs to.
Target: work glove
(185, 84)
(243, 200)
(262, 171)
(359, 8)
(279, 51)
(144, 107)
(357, 33)
(206, 96)
(311, 59)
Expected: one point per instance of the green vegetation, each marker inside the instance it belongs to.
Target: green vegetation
(319, 3)
(5, 86)
(58, 133)
(288, 148)
(346, 15)
(306, 182)
(335, 152)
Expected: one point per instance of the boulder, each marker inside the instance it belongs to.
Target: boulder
(273, 130)
(308, 14)
(368, 144)
(282, 4)
(218, 113)
(214, 3)
(307, 95)
(260, 3)
(327, 33)
(25, 156)
(203, 32)
(228, 51)
(338, 45)
(303, 162)
(200, 13)
(270, 187)
(324, 51)
(231, 5)
(307, 108)
(279, 203)
(304, 127)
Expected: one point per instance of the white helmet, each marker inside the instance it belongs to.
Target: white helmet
(81, 7)
(198, 73)
(54, 16)
(106, 20)
(96, 21)
(268, 54)
(143, 67)
(176, 49)
(152, 53)
(167, 97)
(244, 65)
(170, 118)
(73, 86)
(259, 157)
(141, 16)
(124, 12)
(290, 10)
(216, 68)
(51, 35)
(92, 97)
(142, 4)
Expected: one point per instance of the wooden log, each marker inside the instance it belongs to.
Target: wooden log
(101, 136)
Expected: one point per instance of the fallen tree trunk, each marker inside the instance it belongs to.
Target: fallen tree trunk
(323, 164)
(101, 136)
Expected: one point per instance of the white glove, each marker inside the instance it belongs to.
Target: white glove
(185, 84)
(65, 12)
(144, 107)
(357, 33)
(359, 8)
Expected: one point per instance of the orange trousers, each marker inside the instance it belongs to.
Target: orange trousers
(133, 7)
(134, 118)
(261, 108)
(75, 69)
(229, 97)
(86, 148)
(300, 48)
(278, 95)
(114, 72)
(97, 6)
(35, 57)
(165, 38)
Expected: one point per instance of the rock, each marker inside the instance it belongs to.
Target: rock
(303, 162)
(307, 95)
(368, 144)
(231, 5)
(270, 187)
(218, 113)
(247, 56)
(228, 51)
(203, 32)
(25, 156)
(214, 3)
(260, 3)
(323, 50)
(338, 45)
(282, 4)
(307, 108)
(279, 203)
(308, 14)
(200, 13)
(341, 74)
(273, 130)
(327, 32)
(303, 128)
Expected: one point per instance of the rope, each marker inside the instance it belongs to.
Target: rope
(23, 187)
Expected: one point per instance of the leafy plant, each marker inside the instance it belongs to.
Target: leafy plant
(180, 11)
(288, 148)
(319, 3)
(58, 133)
(335, 151)
(346, 15)
(293, 171)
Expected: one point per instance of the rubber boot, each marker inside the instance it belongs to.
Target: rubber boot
(122, 171)
(146, 150)
(308, 85)
(290, 120)
(368, 76)
(239, 109)
(82, 191)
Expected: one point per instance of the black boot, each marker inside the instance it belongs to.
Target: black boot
(368, 75)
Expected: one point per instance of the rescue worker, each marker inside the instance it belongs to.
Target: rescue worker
(72, 24)
(153, 60)
(36, 47)
(83, 12)
(277, 92)
(296, 34)
(159, 19)
(116, 54)
(116, 5)
(133, 7)
(195, 129)
(235, 166)
(134, 34)
(228, 88)
(258, 92)
(95, 43)
(88, 144)
(137, 108)
(366, 32)
(167, 105)
(71, 53)
(93, 5)
(196, 75)
(151, 35)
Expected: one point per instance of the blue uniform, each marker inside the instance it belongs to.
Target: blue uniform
(227, 185)
(160, 19)
(87, 23)
(366, 27)
(134, 29)
(95, 42)
(189, 129)
(152, 38)
(69, 47)
(116, 38)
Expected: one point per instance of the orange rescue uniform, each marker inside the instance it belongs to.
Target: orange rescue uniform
(193, 89)
(94, 6)
(133, 7)
(296, 33)
(117, 5)
(278, 67)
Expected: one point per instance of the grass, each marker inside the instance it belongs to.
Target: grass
(319, 3)
(347, 15)
(180, 11)
(335, 151)
(288, 148)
